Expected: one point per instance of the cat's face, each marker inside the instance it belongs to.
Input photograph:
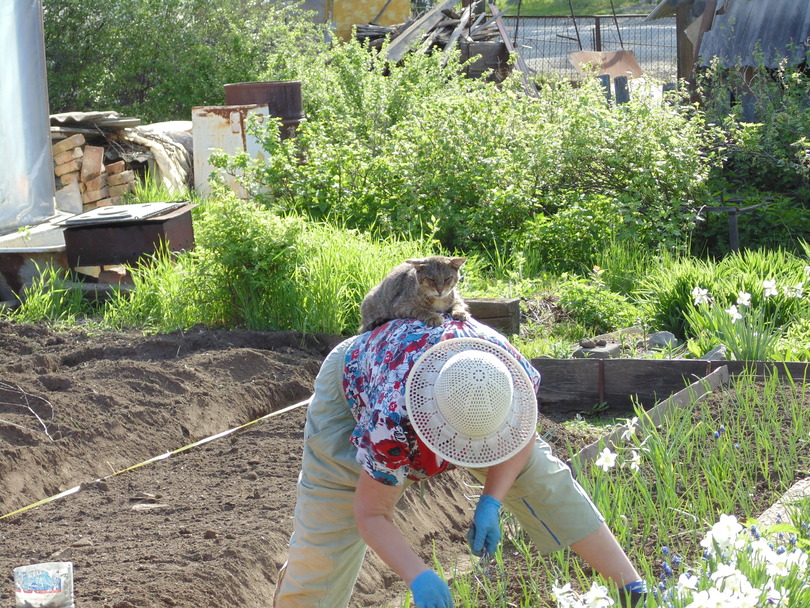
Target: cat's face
(437, 276)
(438, 287)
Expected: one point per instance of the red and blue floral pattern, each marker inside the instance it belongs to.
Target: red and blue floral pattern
(377, 367)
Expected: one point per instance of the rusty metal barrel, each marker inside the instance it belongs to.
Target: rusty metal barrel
(282, 98)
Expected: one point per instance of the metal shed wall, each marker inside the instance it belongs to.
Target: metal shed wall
(776, 28)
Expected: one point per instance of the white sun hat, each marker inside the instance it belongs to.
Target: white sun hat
(471, 402)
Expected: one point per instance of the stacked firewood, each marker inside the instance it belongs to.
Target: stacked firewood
(83, 181)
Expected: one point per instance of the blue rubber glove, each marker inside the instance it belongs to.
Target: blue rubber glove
(485, 532)
(430, 591)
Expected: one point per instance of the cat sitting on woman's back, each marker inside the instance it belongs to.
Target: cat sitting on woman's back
(416, 289)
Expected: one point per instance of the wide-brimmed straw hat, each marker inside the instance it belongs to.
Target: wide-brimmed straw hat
(471, 402)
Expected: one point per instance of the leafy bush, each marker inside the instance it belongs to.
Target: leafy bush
(594, 306)
(767, 145)
(570, 239)
(391, 147)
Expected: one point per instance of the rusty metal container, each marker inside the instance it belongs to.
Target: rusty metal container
(223, 128)
(282, 98)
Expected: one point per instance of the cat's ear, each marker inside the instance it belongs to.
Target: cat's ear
(417, 262)
(456, 263)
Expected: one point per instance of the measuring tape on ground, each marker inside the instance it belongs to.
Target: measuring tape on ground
(74, 490)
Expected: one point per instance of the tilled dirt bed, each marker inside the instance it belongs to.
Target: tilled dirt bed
(206, 526)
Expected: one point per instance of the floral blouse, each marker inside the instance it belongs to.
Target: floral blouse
(376, 369)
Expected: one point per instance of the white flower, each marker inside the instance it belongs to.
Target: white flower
(794, 292)
(606, 460)
(686, 582)
(744, 298)
(701, 296)
(729, 578)
(807, 271)
(776, 595)
(597, 597)
(722, 534)
(565, 596)
(769, 287)
(630, 429)
(634, 461)
(734, 313)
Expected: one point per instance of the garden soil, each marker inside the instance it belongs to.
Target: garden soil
(203, 526)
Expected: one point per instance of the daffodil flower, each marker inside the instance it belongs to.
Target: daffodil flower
(606, 460)
(700, 296)
(744, 298)
(734, 313)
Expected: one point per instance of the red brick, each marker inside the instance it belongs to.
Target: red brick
(69, 178)
(118, 179)
(68, 144)
(119, 190)
(118, 166)
(97, 183)
(95, 195)
(92, 163)
(74, 165)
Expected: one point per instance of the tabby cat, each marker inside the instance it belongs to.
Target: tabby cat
(416, 289)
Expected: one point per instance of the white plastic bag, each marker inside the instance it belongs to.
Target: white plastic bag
(47, 585)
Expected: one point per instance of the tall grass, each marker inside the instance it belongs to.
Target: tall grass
(50, 297)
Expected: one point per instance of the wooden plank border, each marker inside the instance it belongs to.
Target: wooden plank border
(655, 416)
(577, 385)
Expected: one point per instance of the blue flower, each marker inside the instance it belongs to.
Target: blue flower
(677, 560)
(665, 550)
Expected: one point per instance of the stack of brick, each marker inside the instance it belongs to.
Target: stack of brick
(83, 182)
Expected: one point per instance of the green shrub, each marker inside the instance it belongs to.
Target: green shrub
(389, 147)
(594, 306)
(570, 238)
(773, 152)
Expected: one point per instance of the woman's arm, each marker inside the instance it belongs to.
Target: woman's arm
(500, 477)
(374, 504)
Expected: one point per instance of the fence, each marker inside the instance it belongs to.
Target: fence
(544, 42)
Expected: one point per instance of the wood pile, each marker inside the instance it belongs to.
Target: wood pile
(83, 181)
(481, 29)
(479, 34)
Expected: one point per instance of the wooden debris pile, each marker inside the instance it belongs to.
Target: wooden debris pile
(441, 29)
(480, 30)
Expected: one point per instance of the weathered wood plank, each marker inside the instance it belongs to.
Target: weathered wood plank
(521, 65)
(577, 385)
(502, 314)
(402, 43)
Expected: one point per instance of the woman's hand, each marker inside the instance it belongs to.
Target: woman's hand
(485, 532)
(430, 591)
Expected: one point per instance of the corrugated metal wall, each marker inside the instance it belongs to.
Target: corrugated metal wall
(774, 28)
